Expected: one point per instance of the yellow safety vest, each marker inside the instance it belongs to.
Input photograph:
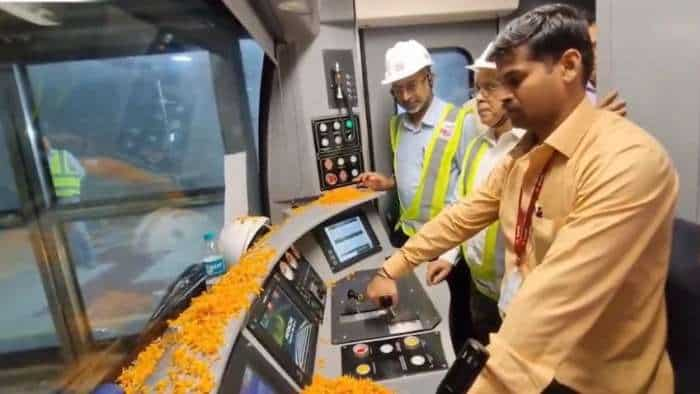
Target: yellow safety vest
(487, 273)
(66, 179)
(429, 198)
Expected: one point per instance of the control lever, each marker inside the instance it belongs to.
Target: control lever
(387, 303)
(355, 297)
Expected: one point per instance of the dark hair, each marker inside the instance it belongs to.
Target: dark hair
(548, 31)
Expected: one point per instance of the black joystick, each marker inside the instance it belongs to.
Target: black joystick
(353, 295)
(385, 302)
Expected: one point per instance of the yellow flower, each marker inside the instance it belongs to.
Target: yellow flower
(344, 385)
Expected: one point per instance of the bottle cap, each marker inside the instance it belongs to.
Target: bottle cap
(209, 236)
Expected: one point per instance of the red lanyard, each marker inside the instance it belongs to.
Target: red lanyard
(524, 223)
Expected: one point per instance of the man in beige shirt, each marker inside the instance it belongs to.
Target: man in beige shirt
(583, 294)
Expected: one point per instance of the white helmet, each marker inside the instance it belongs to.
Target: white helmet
(237, 235)
(404, 59)
(483, 61)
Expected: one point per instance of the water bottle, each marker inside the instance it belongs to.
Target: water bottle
(212, 259)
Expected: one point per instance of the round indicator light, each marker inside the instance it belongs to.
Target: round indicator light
(418, 360)
(386, 348)
(361, 350)
(411, 342)
(362, 369)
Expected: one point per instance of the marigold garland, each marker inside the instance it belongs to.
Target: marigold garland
(342, 195)
(344, 385)
(199, 330)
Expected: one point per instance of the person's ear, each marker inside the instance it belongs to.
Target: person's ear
(430, 80)
(571, 65)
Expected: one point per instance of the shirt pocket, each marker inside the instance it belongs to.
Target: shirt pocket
(543, 232)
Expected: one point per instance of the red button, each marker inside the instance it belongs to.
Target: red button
(361, 350)
(331, 179)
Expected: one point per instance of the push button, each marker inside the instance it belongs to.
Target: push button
(361, 350)
(418, 360)
(411, 342)
(386, 348)
(362, 369)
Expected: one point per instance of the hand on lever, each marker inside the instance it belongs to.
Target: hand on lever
(375, 181)
(437, 271)
(380, 287)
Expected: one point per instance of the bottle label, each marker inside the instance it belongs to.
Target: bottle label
(214, 265)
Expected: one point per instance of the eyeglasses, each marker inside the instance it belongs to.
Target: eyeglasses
(409, 87)
(487, 90)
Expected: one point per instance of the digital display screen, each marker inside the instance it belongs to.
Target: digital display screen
(255, 384)
(348, 238)
(288, 328)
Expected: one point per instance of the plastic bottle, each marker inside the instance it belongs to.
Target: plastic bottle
(212, 259)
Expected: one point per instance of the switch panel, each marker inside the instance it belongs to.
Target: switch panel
(338, 150)
(340, 78)
(336, 133)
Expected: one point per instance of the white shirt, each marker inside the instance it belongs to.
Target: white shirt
(496, 152)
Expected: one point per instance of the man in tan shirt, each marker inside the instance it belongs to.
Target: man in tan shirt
(584, 303)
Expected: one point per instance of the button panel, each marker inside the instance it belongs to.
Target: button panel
(393, 358)
(339, 170)
(338, 150)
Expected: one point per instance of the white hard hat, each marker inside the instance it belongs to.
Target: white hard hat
(237, 235)
(405, 59)
(482, 62)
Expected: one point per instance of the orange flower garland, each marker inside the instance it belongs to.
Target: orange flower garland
(199, 330)
(344, 385)
(342, 195)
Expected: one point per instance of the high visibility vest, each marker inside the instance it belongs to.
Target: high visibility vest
(66, 179)
(429, 198)
(487, 273)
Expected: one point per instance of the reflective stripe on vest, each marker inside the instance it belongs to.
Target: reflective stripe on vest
(487, 273)
(66, 180)
(429, 198)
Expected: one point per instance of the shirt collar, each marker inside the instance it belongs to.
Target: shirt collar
(590, 87)
(516, 133)
(568, 135)
(431, 116)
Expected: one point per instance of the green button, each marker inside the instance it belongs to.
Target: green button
(348, 123)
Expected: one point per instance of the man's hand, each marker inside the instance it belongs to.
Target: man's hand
(613, 103)
(380, 286)
(375, 181)
(437, 271)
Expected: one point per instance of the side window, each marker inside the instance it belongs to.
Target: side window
(252, 58)
(453, 82)
(129, 127)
